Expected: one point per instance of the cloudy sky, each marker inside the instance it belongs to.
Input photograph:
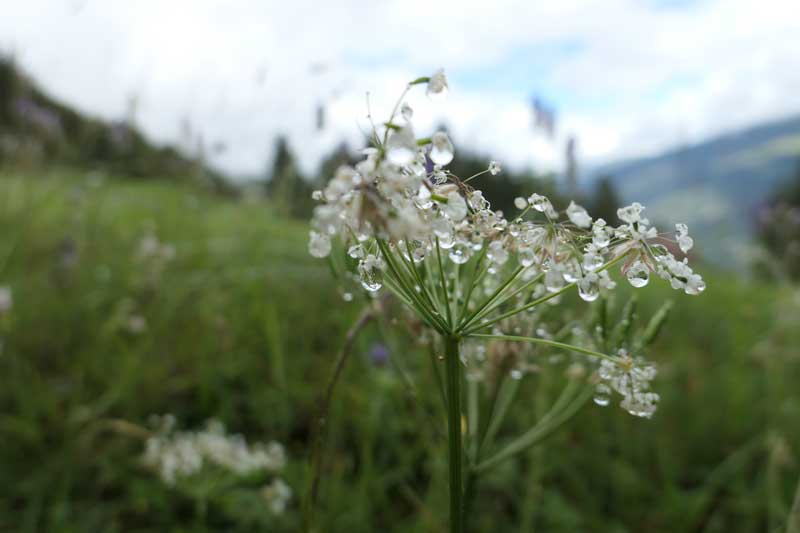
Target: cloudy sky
(627, 77)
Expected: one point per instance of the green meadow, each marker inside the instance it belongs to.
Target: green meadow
(238, 323)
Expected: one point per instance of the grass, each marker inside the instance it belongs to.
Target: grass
(243, 326)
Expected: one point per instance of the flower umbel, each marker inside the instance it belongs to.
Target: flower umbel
(416, 228)
(401, 220)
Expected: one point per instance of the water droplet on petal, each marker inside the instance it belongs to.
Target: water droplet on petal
(685, 243)
(571, 271)
(370, 271)
(589, 287)
(553, 280)
(446, 241)
(442, 150)
(356, 251)
(460, 252)
(401, 146)
(423, 198)
(526, 256)
(602, 395)
(638, 274)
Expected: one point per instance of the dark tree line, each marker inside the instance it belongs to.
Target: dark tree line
(778, 229)
(290, 191)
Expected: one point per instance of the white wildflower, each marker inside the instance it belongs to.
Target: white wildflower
(578, 215)
(406, 112)
(684, 241)
(277, 495)
(176, 455)
(319, 244)
(6, 299)
(442, 150)
(631, 378)
(437, 85)
(401, 148)
(456, 207)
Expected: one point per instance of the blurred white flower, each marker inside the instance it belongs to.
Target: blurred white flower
(685, 242)
(407, 112)
(437, 85)
(180, 454)
(277, 495)
(442, 150)
(578, 215)
(319, 244)
(6, 299)
(136, 324)
(401, 146)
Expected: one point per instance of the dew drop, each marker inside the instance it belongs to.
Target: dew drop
(571, 271)
(589, 287)
(423, 198)
(460, 252)
(401, 148)
(446, 241)
(370, 275)
(356, 251)
(553, 280)
(526, 256)
(602, 395)
(638, 274)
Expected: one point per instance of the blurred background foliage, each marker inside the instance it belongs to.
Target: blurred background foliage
(238, 323)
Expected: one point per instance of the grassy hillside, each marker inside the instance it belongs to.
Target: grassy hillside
(232, 319)
(37, 130)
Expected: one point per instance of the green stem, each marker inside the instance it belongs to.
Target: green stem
(453, 364)
(484, 325)
(548, 342)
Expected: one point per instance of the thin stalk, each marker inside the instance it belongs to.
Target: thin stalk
(443, 281)
(793, 520)
(409, 263)
(491, 298)
(562, 411)
(473, 281)
(438, 375)
(420, 305)
(548, 342)
(472, 418)
(503, 397)
(322, 415)
(453, 364)
(534, 303)
(507, 297)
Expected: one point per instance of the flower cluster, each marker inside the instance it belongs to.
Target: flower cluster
(150, 247)
(181, 454)
(631, 378)
(407, 222)
(394, 196)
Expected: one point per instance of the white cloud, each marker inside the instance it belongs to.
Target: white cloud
(637, 77)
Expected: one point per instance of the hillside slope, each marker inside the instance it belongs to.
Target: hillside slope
(717, 186)
(36, 129)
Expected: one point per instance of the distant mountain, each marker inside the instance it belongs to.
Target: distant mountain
(715, 186)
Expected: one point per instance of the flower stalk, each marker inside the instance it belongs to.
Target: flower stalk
(455, 446)
(485, 284)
